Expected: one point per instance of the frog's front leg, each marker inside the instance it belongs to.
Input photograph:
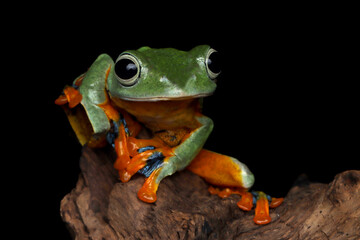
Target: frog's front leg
(228, 172)
(176, 158)
(86, 103)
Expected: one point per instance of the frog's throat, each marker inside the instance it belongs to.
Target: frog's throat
(156, 99)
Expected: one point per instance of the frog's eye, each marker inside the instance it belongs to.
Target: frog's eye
(213, 63)
(127, 69)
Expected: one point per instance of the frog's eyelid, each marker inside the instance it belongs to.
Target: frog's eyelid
(132, 80)
(211, 74)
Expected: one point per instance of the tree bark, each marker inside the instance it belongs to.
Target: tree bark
(101, 207)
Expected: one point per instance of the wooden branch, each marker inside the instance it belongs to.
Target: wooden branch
(101, 207)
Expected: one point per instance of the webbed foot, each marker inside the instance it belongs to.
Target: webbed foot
(263, 203)
(155, 172)
(70, 95)
(248, 199)
(146, 160)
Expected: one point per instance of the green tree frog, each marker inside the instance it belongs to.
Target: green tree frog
(160, 91)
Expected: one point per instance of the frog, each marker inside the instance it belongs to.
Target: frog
(159, 92)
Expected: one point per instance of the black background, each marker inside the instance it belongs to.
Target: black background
(285, 102)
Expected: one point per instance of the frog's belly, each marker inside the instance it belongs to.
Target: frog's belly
(162, 115)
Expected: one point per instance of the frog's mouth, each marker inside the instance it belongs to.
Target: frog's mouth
(166, 98)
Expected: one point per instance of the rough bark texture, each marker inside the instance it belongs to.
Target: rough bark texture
(101, 207)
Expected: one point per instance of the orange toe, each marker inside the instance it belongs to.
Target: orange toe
(262, 215)
(275, 202)
(124, 176)
(61, 100)
(246, 202)
(147, 196)
(147, 192)
(73, 96)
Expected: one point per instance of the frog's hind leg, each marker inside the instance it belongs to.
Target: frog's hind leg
(228, 172)
(221, 170)
(225, 171)
(177, 158)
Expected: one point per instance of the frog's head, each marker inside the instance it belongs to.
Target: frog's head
(150, 74)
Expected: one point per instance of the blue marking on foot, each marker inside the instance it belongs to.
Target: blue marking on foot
(154, 162)
(255, 195)
(143, 149)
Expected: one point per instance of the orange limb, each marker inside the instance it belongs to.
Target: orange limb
(136, 163)
(218, 169)
(121, 149)
(147, 193)
(129, 160)
(71, 96)
(225, 171)
(133, 126)
(140, 160)
(110, 111)
(135, 144)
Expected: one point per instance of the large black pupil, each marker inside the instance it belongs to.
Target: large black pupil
(125, 69)
(214, 62)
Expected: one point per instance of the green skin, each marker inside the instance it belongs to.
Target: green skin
(165, 74)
